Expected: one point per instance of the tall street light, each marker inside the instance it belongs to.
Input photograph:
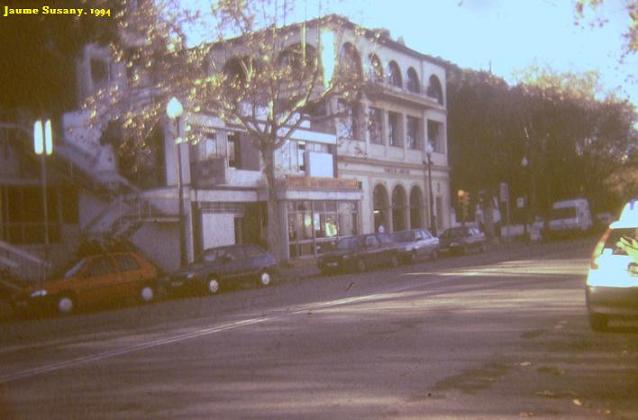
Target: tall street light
(43, 147)
(174, 111)
(428, 153)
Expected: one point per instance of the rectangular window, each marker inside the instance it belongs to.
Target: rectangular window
(375, 125)
(348, 121)
(99, 71)
(435, 136)
(205, 146)
(413, 133)
(394, 129)
(233, 151)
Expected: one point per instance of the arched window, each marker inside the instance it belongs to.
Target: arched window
(349, 65)
(235, 71)
(399, 207)
(295, 59)
(394, 74)
(435, 90)
(413, 81)
(380, 209)
(416, 208)
(376, 69)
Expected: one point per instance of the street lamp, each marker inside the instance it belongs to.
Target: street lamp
(43, 147)
(174, 111)
(428, 153)
(524, 164)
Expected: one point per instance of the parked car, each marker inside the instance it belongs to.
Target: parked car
(416, 243)
(223, 267)
(462, 240)
(612, 280)
(90, 281)
(358, 253)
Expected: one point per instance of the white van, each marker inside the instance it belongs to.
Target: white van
(570, 216)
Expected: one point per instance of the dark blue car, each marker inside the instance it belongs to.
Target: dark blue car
(224, 267)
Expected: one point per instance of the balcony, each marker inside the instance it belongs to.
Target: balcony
(214, 172)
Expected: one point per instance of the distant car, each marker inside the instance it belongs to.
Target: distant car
(358, 253)
(92, 280)
(612, 280)
(224, 267)
(462, 240)
(416, 243)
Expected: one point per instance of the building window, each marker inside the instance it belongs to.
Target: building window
(313, 225)
(233, 151)
(413, 84)
(413, 133)
(290, 157)
(22, 216)
(375, 125)
(348, 122)
(394, 129)
(99, 72)
(376, 69)
(435, 90)
(394, 74)
(435, 136)
(206, 147)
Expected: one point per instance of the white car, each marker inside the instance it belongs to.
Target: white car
(612, 281)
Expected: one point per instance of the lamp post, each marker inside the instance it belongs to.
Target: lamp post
(428, 153)
(524, 164)
(174, 111)
(43, 147)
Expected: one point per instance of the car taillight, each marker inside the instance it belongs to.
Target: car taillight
(598, 250)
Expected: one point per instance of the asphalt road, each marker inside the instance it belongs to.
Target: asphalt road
(502, 334)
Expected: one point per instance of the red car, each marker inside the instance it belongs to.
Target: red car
(92, 280)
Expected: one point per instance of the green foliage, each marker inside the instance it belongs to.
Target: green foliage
(573, 142)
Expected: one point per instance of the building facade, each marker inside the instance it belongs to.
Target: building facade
(373, 168)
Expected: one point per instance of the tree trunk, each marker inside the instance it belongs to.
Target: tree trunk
(274, 236)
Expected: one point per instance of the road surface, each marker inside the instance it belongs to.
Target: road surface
(501, 334)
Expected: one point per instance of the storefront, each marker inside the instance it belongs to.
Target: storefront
(314, 224)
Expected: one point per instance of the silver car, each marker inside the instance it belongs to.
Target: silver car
(415, 244)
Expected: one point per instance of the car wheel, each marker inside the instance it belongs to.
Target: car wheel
(361, 265)
(212, 286)
(65, 304)
(147, 293)
(598, 322)
(264, 280)
(394, 261)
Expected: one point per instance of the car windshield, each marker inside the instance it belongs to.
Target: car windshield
(564, 213)
(615, 236)
(75, 269)
(347, 243)
(405, 236)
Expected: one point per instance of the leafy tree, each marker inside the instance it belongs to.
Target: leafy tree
(574, 143)
(258, 74)
(37, 58)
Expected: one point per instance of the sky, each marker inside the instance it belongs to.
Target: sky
(502, 36)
